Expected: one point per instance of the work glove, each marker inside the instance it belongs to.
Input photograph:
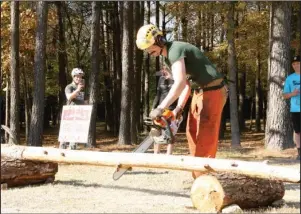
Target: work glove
(177, 112)
(155, 113)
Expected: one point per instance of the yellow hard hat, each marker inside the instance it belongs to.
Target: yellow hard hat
(146, 36)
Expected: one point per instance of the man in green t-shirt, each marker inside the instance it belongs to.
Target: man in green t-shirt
(190, 68)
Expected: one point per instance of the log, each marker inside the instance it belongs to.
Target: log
(15, 172)
(214, 191)
(174, 162)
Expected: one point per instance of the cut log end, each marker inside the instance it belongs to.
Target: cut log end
(207, 194)
(214, 191)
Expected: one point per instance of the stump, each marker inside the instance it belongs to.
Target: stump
(15, 172)
(212, 192)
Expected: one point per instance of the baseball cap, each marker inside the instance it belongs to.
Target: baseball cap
(296, 59)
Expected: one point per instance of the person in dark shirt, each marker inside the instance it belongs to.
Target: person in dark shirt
(164, 84)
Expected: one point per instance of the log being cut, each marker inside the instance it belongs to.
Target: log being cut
(247, 184)
(186, 163)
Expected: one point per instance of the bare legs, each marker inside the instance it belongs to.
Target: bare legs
(169, 148)
(297, 142)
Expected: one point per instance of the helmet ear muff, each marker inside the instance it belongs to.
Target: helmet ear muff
(160, 41)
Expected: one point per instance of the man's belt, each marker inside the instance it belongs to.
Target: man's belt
(211, 88)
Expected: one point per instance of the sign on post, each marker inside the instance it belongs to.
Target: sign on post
(75, 123)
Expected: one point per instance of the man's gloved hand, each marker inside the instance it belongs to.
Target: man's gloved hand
(155, 113)
(177, 112)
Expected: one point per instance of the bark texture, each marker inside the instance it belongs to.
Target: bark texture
(15, 172)
(279, 132)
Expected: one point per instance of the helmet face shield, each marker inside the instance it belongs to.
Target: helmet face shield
(146, 36)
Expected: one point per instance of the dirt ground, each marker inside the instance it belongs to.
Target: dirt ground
(91, 189)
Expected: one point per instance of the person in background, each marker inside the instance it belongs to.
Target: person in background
(292, 91)
(75, 95)
(164, 85)
(190, 68)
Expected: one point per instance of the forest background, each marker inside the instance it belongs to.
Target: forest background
(252, 43)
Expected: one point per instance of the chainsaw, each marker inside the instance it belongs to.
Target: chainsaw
(163, 130)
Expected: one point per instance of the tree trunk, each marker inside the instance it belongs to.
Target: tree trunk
(1, 80)
(223, 126)
(15, 73)
(139, 17)
(135, 98)
(279, 131)
(37, 116)
(235, 134)
(212, 31)
(146, 89)
(204, 35)
(7, 108)
(15, 172)
(62, 56)
(176, 28)
(141, 74)
(264, 109)
(184, 22)
(212, 192)
(94, 75)
(127, 75)
(222, 35)
(164, 15)
(258, 94)
(198, 37)
(107, 44)
(106, 74)
(208, 30)
(27, 105)
(251, 112)
(242, 97)
(158, 25)
(118, 69)
(147, 74)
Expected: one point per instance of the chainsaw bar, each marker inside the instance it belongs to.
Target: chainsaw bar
(143, 147)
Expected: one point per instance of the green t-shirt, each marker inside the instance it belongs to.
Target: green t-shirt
(198, 68)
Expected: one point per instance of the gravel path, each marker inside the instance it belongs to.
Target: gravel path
(91, 189)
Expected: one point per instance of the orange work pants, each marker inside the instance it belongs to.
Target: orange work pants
(203, 123)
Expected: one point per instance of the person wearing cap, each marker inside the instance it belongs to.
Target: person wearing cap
(75, 95)
(190, 68)
(292, 91)
(74, 91)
